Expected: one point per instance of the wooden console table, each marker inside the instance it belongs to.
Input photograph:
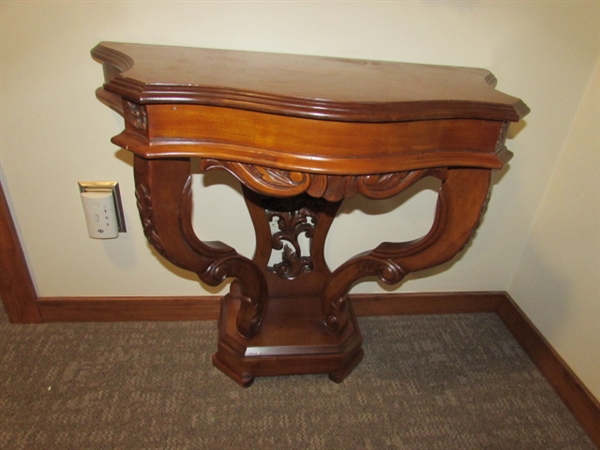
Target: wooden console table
(301, 133)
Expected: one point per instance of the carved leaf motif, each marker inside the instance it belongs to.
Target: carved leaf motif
(388, 184)
(291, 224)
(144, 204)
(135, 115)
(284, 183)
(265, 180)
(280, 178)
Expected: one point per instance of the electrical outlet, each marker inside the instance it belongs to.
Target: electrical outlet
(103, 208)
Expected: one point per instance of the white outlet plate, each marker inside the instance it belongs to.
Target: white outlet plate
(107, 186)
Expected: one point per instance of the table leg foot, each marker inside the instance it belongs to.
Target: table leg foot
(340, 375)
(244, 380)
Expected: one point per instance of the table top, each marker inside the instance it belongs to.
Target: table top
(305, 114)
(313, 87)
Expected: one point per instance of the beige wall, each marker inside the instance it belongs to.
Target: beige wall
(55, 133)
(557, 280)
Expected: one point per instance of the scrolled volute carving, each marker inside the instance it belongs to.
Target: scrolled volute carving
(283, 183)
(253, 295)
(335, 319)
(386, 270)
(217, 272)
(387, 185)
(165, 211)
(265, 180)
(249, 321)
(332, 321)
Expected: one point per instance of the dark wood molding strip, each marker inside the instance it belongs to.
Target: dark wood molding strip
(16, 286)
(106, 309)
(580, 401)
(127, 309)
(403, 304)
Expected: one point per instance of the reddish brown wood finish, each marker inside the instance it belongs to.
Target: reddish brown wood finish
(165, 210)
(127, 309)
(322, 88)
(301, 134)
(16, 287)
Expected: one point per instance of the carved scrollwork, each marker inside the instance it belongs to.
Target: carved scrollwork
(389, 184)
(463, 196)
(332, 320)
(165, 210)
(292, 224)
(386, 270)
(253, 303)
(144, 204)
(290, 218)
(284, 183)
(266, 180)
(251, 315)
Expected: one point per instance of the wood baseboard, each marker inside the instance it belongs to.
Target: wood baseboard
(118, 309)
(397, 304)
(22, 305)
(16, 286)
(127, 309)
(574, 394)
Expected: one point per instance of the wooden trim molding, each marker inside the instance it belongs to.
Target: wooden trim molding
(16, 285)
(22, 305)
(574, 394)
(126, 309)
(115, 309)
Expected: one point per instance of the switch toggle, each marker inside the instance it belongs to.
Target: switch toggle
(102, 207)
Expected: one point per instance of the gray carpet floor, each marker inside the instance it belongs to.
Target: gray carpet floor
(427, 382)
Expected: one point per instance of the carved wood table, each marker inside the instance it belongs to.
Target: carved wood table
(301, 133)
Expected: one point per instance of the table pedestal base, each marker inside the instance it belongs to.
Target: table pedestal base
(292, 341)
(287, 313)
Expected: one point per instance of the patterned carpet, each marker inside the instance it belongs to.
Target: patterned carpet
(427, 382)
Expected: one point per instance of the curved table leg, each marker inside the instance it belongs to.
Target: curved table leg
(163, 191)
(304, 293)
(462, 200)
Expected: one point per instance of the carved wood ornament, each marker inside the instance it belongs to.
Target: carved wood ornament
(301, 134)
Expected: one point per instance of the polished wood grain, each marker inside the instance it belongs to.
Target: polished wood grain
(322, 88)
(301, 134)
(312, 146)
